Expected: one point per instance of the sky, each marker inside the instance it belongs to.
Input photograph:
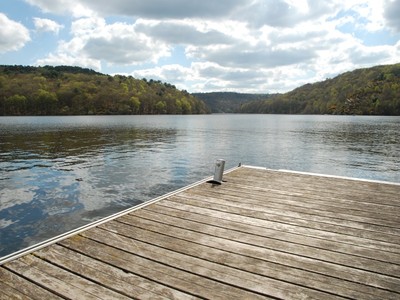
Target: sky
(248, 46)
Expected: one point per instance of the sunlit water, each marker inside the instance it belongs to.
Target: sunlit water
(59, 173)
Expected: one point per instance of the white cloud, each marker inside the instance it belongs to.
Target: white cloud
(121, 44)
(62, 7)
(165, 73)
(284, 13)
(13, 35)
(203, 77)
(161, 9)
(46, 25)
(153, 9)
(212, 76)
(183, 32)
(86, 26)
(95, 42)
(283, 60)
(392, 13)
(259, 56)
(257, 45)
(71, 52)
(368, 14)
(62, 58)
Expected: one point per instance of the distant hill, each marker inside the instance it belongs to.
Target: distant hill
(227, 102)
(68, 90)
(369, 91)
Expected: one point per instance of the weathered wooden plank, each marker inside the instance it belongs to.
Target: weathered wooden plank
(7, 292)
(234, 277)
(317, 197)
(389, 238)
(295, 261)
(67, 284)
(327, 186)
(261, 234)
(261, 266)
(297, 213)
(295, 239)
(24, 286)
(173, 202)
(35, 274)
(115, 279)
(301, 204)
(206, 267)
(273, 244)
(351, 190)
(181, 280)
(267, 175)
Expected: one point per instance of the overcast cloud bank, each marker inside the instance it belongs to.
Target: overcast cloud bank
(233, 45)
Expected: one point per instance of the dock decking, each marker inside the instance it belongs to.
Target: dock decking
(261, 234)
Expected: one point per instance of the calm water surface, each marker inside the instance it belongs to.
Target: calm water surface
(59, 173)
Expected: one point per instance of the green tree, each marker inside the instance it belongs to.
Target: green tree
(46, 102)
(186, 107)
(178, 105)
(73, 90)
(161, 107)
(135, 104)
(16, 105)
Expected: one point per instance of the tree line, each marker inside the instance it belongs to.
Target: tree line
(228, 102)
(369, 91)
(68, 90)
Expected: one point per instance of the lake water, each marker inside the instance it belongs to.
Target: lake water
(59, 173)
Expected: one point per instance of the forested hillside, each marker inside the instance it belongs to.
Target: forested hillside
(65, 90)
(370, 91)
(227, 102)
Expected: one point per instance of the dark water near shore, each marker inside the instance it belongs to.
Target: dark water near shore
(59, 173)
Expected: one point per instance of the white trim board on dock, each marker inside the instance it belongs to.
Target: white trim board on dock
(261, 234)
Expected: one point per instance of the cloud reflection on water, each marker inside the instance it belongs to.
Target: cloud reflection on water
(58, 173)
(53, 178)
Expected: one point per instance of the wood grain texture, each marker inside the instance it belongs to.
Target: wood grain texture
(262, 234)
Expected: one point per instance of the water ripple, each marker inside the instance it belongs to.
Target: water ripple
(57, 173)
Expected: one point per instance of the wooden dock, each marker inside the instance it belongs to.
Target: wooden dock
(261, 234)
